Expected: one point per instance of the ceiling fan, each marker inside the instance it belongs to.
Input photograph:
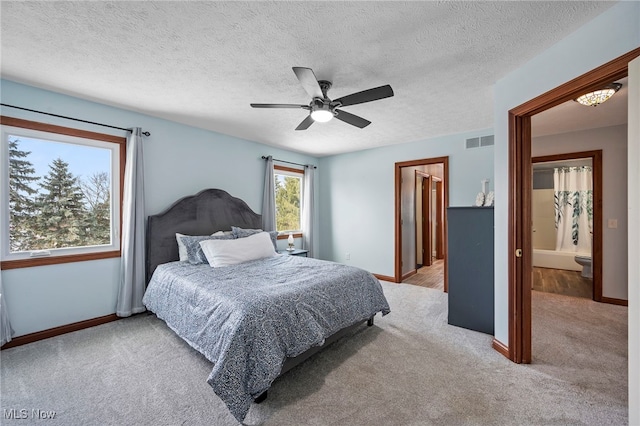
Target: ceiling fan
(323, 109)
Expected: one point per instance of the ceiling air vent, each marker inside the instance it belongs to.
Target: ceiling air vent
(480, 141)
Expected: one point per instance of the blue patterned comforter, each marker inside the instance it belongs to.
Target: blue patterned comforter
(248, 318)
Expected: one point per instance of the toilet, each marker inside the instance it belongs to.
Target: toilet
(585, 262)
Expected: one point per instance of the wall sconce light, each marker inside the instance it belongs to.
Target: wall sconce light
(599, 96)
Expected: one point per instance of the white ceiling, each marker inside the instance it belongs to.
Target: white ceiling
(203, 63)
(571, 116)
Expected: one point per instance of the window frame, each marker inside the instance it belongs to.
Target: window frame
(291, 171)
(87, 253)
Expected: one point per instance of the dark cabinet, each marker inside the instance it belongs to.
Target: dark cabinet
(470, 267)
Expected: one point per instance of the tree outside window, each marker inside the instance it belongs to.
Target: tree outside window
(60, 194)
(57, 210)
(288, 196)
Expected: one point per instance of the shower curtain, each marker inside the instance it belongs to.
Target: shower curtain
(573, 199)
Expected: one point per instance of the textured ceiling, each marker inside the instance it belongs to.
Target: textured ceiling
(203, 63)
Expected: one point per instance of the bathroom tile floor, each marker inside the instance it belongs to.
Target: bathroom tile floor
(568, 283)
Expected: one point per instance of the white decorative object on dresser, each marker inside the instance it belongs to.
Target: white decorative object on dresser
(488, 199)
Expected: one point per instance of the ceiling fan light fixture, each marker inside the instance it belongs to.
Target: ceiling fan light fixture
(321, 115)
(599, 96)
(323, 109)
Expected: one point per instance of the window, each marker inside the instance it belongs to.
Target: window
(61, 194)
(288, 194)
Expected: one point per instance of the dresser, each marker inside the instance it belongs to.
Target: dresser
(470, 267)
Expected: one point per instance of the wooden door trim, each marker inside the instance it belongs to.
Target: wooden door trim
(440, 253)
(439, 247)
(519, 300)
(397, 228)
(427, 229)
(424, 176)
(604, 74)
(597, 173)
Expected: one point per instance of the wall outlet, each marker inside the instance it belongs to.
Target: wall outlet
(612, 223)
(348, 256)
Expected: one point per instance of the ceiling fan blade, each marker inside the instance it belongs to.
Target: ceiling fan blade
(305, 123)
(279, 106)
(309, 81)
(354, 120)
(366, 96)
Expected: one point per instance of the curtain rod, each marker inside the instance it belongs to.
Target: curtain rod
(71, 118)
(288, 162)
(542, 170)
(552, 169)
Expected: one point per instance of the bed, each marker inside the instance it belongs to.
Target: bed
(257, 319)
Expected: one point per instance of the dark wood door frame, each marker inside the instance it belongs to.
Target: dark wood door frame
(427, 226)
(596, 176)
(427, 230)
(440, 229)
(519, 227)
(398, 204)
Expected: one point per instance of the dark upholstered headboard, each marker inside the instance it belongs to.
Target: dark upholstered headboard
(206, 212)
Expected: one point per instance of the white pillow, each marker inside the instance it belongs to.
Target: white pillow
(182, 249)
(231, 252)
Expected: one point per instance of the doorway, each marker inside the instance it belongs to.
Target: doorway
(429, 213)
(409, 177)
(519, 227)
(545, 244)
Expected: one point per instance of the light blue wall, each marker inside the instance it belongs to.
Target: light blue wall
(614, 33)
(357, 195)
(179, 160)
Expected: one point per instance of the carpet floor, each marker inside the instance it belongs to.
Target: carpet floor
(410, 368)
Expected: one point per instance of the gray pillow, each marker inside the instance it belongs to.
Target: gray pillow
(195, 255)
(182, 250)
(241, 233)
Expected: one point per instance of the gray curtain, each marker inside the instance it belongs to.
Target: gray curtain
(269, 198)
(5, 326)
(132, 263)
(307, 210)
